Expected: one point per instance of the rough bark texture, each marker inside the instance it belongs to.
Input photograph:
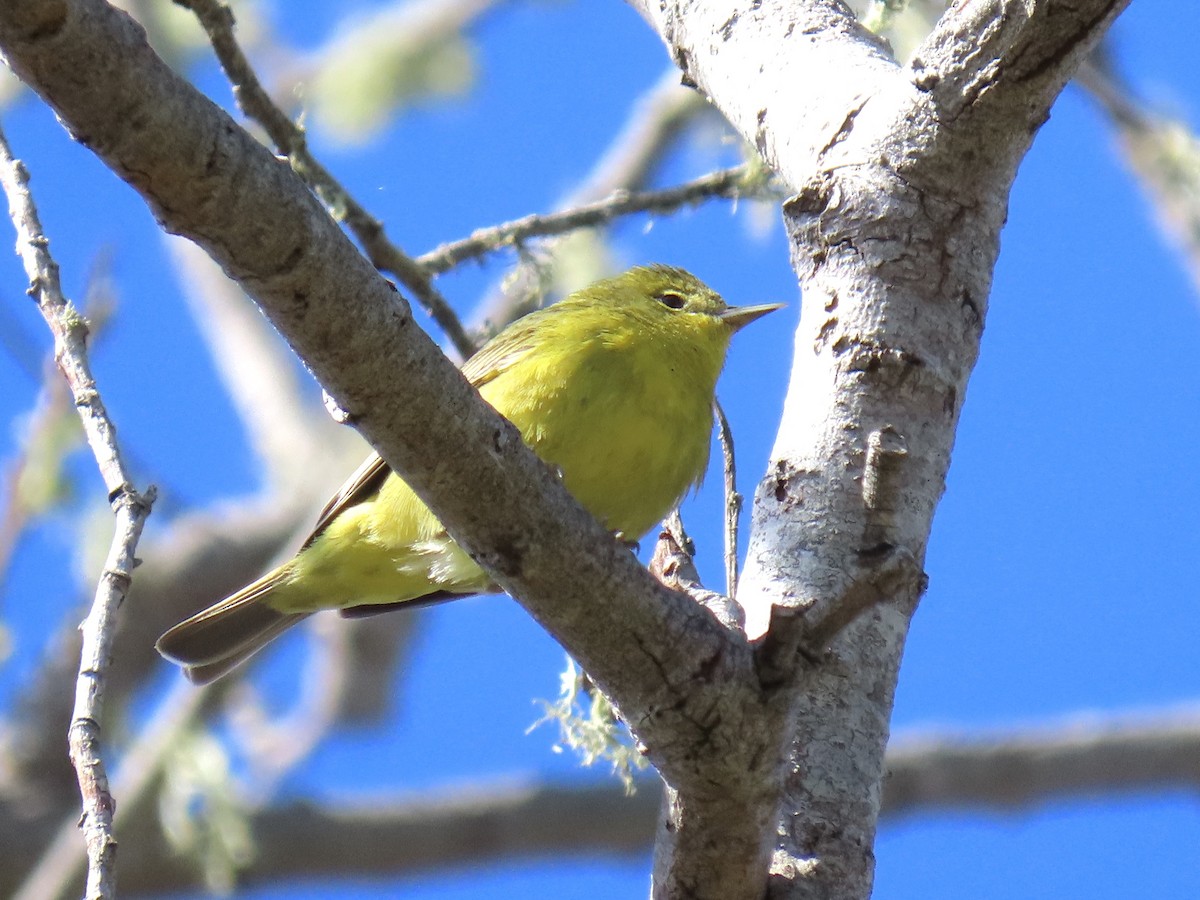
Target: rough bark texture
(206, 178)
(902, 177)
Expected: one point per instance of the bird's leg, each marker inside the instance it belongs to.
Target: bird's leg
(633, 546)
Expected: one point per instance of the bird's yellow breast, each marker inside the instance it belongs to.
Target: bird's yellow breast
(611, 418)
(620, 404)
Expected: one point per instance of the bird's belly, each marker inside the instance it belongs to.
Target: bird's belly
(631, 461)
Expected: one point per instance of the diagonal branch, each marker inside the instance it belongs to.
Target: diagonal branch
(667, 663)
(1164, 154)
(290, 140)
(131, 508)
(654, 125)
(739, 181)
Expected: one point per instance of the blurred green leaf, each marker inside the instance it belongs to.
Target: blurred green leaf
(51, 431)
(365, 83)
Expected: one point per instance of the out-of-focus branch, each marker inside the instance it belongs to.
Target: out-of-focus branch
(290, 141)
(32, 478)
(130, 506)
(656, 121)
(1164, 154)
(1082, 756)
(258, 372)
(199, 558)
(367, 654)
(381, 59)
(1012, 772)
(329, 681)
(57, 873)
(446, 830)
(1005, 772)
(739, 181)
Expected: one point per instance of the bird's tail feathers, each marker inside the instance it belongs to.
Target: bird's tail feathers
(228, 633)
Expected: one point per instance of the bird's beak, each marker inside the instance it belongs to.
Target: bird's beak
(737, 317)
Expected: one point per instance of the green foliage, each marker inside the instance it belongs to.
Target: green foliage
(361, 85)
(51, 432)
(880, 14)
(202, 815)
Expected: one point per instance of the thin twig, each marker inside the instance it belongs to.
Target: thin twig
(131, 508)
(289, 139)
(658, 118)
(733, 501)
(738, 181)
(141, 770)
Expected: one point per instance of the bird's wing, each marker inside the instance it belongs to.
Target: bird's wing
(496, 357)
(365, 482)
(508, 348)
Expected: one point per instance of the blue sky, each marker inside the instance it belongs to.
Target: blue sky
(1061, 558)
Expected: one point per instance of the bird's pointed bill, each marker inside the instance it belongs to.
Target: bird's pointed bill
(738, 317)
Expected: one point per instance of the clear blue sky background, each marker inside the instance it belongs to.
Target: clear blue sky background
(1063, 555)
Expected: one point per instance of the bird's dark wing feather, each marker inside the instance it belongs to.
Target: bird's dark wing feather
(496, 357)
(364, 483)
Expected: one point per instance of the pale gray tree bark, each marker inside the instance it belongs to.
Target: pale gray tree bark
(902, 176)
(771, 743)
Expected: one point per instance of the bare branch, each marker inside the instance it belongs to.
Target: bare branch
(131, 508)
(654, 124)
(1007, 771)
(901, 172)
(673, 564)
(739, 181)
(445, 829)
(142, 767)
(291, 142)
(60, 867)
(1079, 756)
(207, 179)
(733, 500)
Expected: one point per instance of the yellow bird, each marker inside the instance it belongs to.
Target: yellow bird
(613, 386)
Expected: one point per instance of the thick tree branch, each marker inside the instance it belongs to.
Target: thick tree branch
(1082, 756)
(669, 665)
(1007, 772)
(291, 142)
(902, 177)
(927, 772)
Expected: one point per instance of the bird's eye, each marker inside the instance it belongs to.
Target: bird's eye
(672, 300)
